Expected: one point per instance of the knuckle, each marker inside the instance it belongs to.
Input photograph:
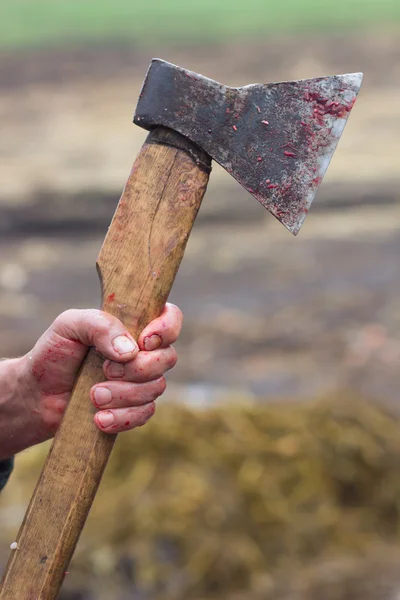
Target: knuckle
(172, 313)
(149, 411)
(140, 418)
(107, 319)
(65, 323)
(173, 357)
(89, 321)
(161, 385)
(66, 317)
(143, 369)
(173, 306)
(97, 324)
(178, 311)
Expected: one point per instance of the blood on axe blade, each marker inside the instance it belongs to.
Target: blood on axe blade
(276, 139)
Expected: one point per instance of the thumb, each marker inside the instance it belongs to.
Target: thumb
(99, 329)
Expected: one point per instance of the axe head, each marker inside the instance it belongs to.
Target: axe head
(276, 139)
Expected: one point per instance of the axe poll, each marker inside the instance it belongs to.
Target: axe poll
(276, 140)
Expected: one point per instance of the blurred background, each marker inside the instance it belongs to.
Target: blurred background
(272, 467)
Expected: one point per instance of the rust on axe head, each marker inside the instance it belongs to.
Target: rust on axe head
(276, 139)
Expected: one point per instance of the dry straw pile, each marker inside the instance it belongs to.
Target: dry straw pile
(284, 501)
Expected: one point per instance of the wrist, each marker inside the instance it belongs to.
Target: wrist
(19, 422)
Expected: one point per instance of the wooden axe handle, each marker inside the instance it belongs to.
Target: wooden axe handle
(137, 266)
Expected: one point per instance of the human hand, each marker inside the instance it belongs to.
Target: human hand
(134, 371)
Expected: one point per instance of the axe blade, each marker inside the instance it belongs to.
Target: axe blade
(304, 130)
(275, 139)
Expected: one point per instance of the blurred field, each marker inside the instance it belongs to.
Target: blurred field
(237, 502)
(267, 314)
(23, 23)
(243, 486)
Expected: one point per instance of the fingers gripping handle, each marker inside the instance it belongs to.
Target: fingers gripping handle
(137, 266)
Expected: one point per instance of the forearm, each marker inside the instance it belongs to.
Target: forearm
(17, 415)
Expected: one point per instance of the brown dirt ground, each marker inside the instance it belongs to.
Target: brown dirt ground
(267, 315)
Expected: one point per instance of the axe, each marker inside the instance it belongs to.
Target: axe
(276, 140)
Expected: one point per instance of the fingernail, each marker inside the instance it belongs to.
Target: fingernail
(115, 370)
(102, 395)
(152, 342)
(122, 344)
(105, 418)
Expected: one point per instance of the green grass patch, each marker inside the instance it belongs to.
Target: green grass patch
(24, 23)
